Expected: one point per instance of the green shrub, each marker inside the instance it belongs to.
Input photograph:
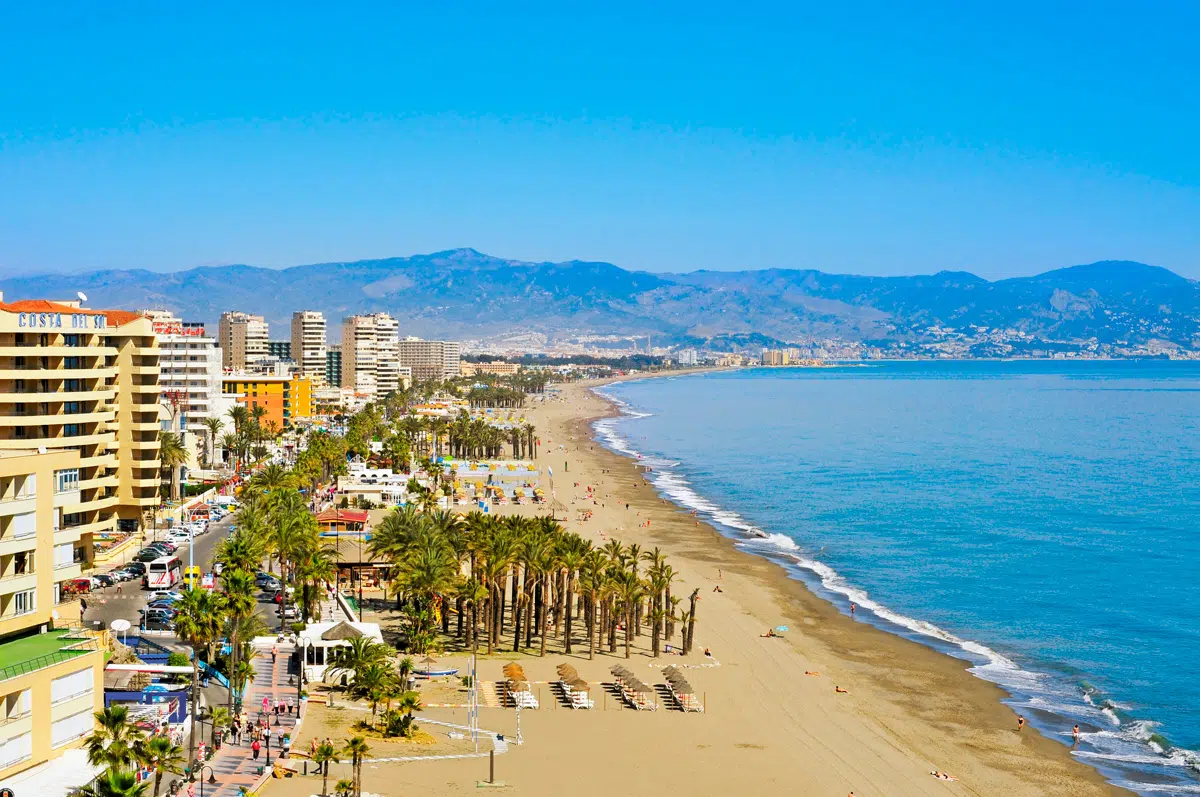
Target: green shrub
(179, 660)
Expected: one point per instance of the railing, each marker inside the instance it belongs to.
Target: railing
(68, 651)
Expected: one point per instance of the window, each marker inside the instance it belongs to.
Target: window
(66, 480)
(68, 729)
(64, 554)
(71, 362)
(72, 519)
(25, 602)
(23, 563)
(17, 705)
(71, 340)
(16, 749)
(68, 687)
(72, 430)
(72, 386)
(28, 486)
(23, 525)
(71, 408)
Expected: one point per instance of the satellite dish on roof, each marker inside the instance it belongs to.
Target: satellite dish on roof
(82, 296)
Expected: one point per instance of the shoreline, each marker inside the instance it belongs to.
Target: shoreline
(825, 624)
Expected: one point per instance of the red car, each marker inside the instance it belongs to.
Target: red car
(77, 586)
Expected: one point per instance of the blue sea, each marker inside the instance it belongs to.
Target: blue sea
(1038, 519)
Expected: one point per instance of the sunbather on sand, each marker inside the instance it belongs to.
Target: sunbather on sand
(769, 633)
(942, 775)
(812, 672)
(841, 691)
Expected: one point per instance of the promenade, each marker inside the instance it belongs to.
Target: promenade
(233, 765)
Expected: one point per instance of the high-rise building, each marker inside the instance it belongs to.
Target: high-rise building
(333, 365)
(51, 673)
(429, 359)
(387, 365)
(358, 354)
(279, 349)
(189, 370)
(308, 343)
(88, 383)
(243, 339)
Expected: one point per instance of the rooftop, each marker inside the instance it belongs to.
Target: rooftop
(34, 651)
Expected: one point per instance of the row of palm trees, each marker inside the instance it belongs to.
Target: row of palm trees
(122, 748)
(527, 578)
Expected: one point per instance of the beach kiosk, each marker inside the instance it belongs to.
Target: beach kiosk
(318, 640)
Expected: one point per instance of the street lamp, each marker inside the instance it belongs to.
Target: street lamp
(268, 735)
(212, 778)
(302, 643)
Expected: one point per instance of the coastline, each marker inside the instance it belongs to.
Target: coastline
(967, 721)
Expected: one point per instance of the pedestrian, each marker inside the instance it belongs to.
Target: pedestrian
(1075, 733)
(1020, 724)
(254, 748)
(274, 653)
(82, 607)
(290, 705)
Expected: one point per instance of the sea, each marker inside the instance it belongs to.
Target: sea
(1039, 519)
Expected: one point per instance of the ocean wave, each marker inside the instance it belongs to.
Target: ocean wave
(1133, 743)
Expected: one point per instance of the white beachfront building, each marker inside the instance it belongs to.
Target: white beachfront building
(318, 640)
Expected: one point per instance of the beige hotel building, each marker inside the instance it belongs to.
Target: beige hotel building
(79, 423)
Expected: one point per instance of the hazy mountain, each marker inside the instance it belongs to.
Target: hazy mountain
(463, 293)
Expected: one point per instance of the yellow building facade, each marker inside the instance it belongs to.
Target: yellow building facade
(284, 398)
(51, 670)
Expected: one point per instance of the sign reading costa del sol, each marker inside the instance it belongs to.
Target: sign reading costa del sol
(56, 321)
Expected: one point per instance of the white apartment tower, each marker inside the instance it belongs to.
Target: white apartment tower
(308, 343)
(243, 339)
(429, 359)
(190, 370)
(369, 356)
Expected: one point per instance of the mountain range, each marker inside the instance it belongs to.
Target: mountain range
(465, 294)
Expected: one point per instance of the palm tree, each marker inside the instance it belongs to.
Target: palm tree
(116, 742)
(324, 754)
(116, 783)
(357, 749)
(163, 756)
(214, 427)
(198, 624)
(240, 604)
(229, 442)
(344, 788)
(690, 628)
(218, 717)
(355, 655)
(171, 455)
(376, 683)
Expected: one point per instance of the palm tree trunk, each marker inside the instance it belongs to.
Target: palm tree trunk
(628, 627)
(570, 589)
(592, 627)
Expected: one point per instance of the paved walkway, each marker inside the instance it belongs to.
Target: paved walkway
(233, 765)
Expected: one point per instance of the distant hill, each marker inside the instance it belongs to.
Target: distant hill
(462, 293)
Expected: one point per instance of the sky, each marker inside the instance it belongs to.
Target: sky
(873, 137)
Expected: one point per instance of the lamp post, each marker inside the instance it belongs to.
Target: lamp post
(268, 735)
(301, 644)
(212, 778)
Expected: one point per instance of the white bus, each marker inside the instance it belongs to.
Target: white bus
(163, 573)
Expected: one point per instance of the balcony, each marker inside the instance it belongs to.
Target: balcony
(57, 351)
(18, 506)
(38, 651)
(17, 583)
(10, 544)
(151, 387)
(11, 395)
(35, 419)
(103, 502)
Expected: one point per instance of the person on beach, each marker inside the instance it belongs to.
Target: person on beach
(812, 672)
(853, 608)
(841, 691)
(1075, 734)
(1020, 724)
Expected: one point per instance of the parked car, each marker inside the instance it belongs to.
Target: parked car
(102, 580)
(77, 586)
(157, 617)
(137, 568)
(288, 612)
(163, 605)
(123, 574)
(164, 595)
(148, 555)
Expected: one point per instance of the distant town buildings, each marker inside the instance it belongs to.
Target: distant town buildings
(279, 349)
(498, 367)
(243, 339)
(430, 359)
(333, 365)
(308, 344)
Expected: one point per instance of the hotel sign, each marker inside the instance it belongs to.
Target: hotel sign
(55, 321)
(177, 328)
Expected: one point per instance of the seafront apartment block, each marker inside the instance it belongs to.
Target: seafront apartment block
(51, 670)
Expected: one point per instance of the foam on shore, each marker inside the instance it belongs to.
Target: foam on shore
(1129, 752)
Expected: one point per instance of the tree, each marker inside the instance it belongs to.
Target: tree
(344, 788)
(240, 604)
(163, 756)
(171, 456)
(198, 624)
(116, 742)
(213, 427)
(325, 753)
(218, 717)
(357, 749)
(116, 783)
(355, 655)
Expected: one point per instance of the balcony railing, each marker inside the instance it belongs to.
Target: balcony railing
(68, 651)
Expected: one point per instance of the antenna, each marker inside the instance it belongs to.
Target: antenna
(82, 296)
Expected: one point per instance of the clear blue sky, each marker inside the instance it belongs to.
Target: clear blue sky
(1002, 138)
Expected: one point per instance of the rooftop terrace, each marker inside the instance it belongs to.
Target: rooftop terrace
(25, 654)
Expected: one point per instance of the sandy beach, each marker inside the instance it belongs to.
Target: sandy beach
(768, 728)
